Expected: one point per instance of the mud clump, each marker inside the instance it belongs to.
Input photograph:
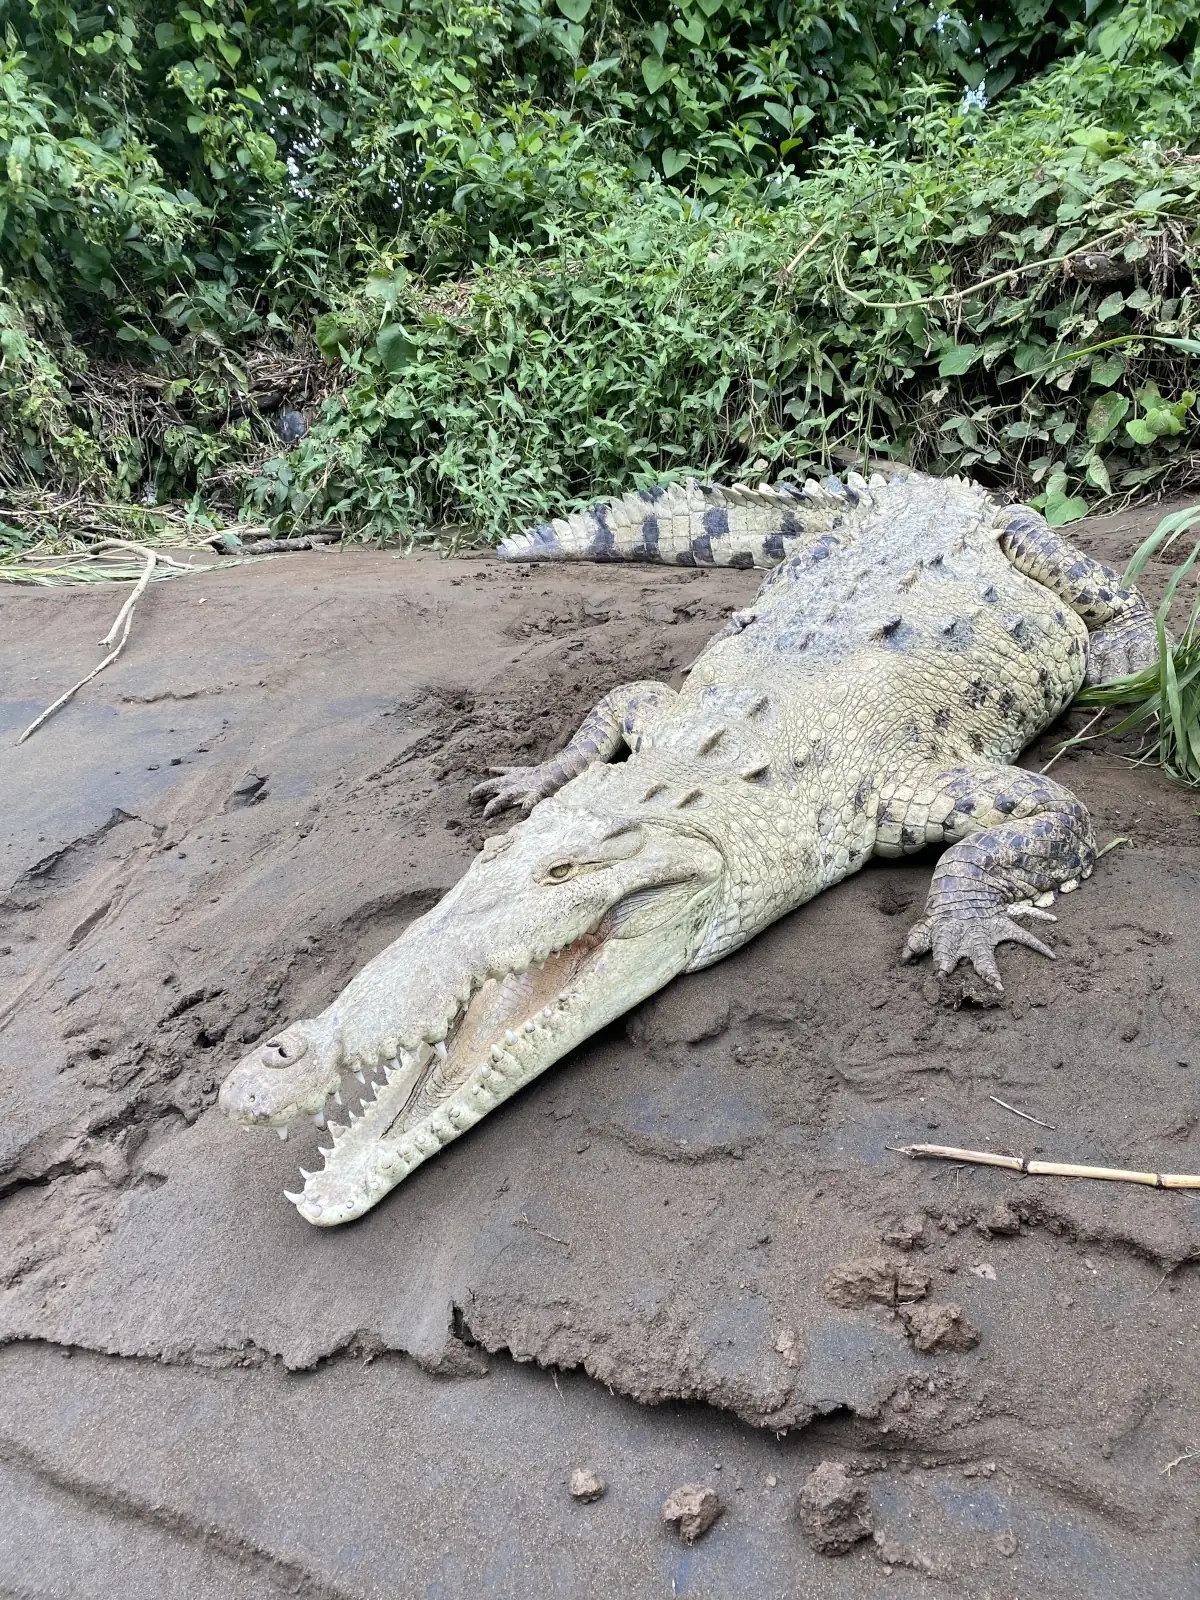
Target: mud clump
(586, 1485)
(854, 1283)
(894, 1554)
(691, 1510)
(1000, 1219)
(937, 1327)
(907, 1234)
(833, 1510)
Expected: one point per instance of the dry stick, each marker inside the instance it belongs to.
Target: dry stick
(1051, 1169)
(1024, 1114)
(1075, 739)
(533, 1228)
(805, 248)
(124, 617)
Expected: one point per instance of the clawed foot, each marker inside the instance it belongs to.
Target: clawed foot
(1121, 648)
(513, 788)
(954, 939)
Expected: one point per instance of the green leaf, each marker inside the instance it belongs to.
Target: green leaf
(1107, 372)
(658, 36)
(1097, 475)
(1140, 432)
(655, 73)
(957, 360)
(1152, 200)
(574, 10)
(1064, 508)
(674, 161)
(395, 348)
(710, 7)
(1110, 305)
(1162, 422)
(329, 331)
(1097, 141)
(692, 30)
(1104, 416)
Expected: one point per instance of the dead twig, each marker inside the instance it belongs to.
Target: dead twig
(1054, 1169)
(1192, 1453)
(533, 1227)
(124, 622)
(1024, 1114)
(1077, 738)
(278, 547)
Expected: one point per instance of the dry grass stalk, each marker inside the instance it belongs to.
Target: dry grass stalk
(1052, 1169)
(123, 623)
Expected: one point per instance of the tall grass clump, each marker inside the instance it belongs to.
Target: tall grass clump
(1164, 699)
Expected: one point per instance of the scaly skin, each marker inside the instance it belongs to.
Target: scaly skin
(910, 640)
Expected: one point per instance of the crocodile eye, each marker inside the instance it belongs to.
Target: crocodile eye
(560, 870)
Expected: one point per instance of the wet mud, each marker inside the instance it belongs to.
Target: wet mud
(703, 1210)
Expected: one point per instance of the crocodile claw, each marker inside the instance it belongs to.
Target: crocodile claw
(512, 788)
(954, 939)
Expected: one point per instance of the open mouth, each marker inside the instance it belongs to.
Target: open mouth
(411, 1105)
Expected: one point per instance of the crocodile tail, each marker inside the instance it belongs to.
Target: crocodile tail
(695, 524)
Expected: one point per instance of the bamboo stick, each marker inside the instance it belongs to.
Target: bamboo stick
(1051, 1169)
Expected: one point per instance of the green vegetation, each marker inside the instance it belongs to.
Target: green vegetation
(507, 254)
(1165, 698)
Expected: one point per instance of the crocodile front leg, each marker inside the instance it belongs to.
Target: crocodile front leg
(621, 718)
(1015, 837)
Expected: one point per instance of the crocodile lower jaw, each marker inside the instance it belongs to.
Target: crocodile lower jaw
(508, 1033)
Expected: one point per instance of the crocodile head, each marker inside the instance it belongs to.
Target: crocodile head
(558, 927)
(289, 1075)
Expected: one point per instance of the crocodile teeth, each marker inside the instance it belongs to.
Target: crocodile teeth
(440, 1050)
(497, 1053)
(319, 1119)
(360, 1077)
(337, 1097)
(282, 1132)
(510, 1037)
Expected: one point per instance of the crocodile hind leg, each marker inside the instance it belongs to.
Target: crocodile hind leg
(1015, 837)
(621, 718)
(1122, 634)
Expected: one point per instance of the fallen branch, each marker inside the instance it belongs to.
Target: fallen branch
(124, 620)
(273, 547)
(1051, 1169)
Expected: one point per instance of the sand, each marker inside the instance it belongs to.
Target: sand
(263, 791)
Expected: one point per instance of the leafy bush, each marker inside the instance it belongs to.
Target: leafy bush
(906, 299)
(538, 249)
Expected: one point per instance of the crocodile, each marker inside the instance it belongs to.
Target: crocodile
(910, 638)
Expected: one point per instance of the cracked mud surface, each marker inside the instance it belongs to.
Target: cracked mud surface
(257, 798)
